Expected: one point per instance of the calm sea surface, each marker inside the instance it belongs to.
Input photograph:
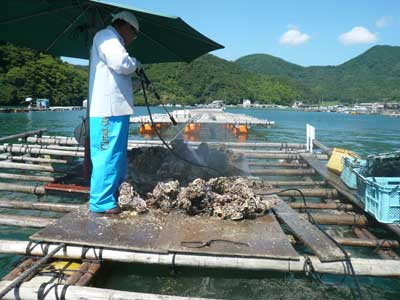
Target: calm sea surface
(363, 134)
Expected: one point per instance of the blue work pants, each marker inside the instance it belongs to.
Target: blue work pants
(108, 152)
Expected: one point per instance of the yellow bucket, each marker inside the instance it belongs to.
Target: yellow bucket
(335, 163)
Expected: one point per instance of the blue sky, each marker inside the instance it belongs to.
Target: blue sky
(304, 32)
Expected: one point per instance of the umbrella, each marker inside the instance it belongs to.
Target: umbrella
(66, 28)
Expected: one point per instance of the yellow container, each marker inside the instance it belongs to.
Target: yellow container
(335, 163)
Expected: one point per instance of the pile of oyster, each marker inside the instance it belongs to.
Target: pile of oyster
(147, 166)
(224, 197)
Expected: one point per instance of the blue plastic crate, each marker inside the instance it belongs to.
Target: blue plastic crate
(348, 176)
(361, 183)
(382, 198)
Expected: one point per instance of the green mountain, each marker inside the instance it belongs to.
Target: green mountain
(211, 78)
(371, 76)
(26, 73)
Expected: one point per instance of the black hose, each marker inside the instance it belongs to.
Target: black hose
(347, 258)
(177, 155)
(150, 85)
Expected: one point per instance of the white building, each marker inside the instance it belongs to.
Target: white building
(246, 103)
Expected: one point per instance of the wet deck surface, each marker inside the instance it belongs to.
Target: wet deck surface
(175, 232)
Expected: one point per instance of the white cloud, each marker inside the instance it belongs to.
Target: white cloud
(384, 21)
(294, 37)
(358, 35)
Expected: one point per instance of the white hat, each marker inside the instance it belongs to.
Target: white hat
(127, 17)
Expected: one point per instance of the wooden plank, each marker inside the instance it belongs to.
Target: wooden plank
(123, 231)
(157, 233)
(261, 237)
(308, 233)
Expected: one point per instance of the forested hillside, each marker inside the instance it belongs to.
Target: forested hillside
(25, 73)
(211, 78)
(371, 76)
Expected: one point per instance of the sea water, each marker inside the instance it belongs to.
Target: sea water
(364, 134)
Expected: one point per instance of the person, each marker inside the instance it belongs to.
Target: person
(111, 104)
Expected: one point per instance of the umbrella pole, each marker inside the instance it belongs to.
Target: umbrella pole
(87, 164)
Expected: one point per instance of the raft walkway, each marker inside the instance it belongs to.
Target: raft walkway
(203, 116)
(44, 165)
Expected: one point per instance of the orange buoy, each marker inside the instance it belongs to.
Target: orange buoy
(158, 125)
(192, 127)
(243, 129)
(146, 128)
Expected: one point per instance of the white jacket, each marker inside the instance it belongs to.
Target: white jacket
(110, 85)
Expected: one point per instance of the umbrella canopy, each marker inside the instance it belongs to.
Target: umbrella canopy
(66, 28)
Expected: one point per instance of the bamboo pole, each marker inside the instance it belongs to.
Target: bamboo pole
(57, 137)
(317, 192)
(22, 135)
(311, 205)
(70, 140)
(279, 155)
(362, 266)
(27, 177)
(384, 253)
(14, 149)
(30, 291)
(54, 147)
(29, 189)
(357, 242)
(19, 269)
(294, 183)
(22, 166)
(282, 172)
(278, 164)
(337, 219)
(25, 221)
(84, 280)
(229, 144)
(74, 278)
(43, 206)
(54, 141)
(37, 159)
(250, 151)
(85, 274)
